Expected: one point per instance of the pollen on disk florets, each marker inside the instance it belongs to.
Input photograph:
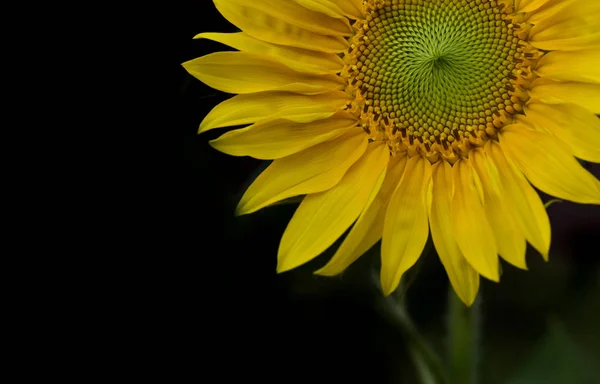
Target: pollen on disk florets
(438, 77)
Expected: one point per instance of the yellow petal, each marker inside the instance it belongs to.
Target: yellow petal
(297, 14)
(529, 5)
(575, 126)
(326, 7)
(323, 217)
(405, 229)
(279, 138)
(298, 59)
(241, 72)
(274, 24)
(587, 40)
(352, 8)
(509, 237)
(368, 229)
(313, 170)
(246, 109)
(557, 11)
(559, 65)
(522, 201)
(472, 230)
(566, 25)
(584, 94)
(548, 165)
(464, 279)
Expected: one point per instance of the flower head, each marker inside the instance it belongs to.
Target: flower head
(397, 118)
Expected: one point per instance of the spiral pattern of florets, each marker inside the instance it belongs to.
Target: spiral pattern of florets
(438, 76)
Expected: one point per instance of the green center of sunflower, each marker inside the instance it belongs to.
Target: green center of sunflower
(437, 74)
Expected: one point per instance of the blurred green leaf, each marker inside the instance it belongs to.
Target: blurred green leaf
(549, 203)
(557, 360)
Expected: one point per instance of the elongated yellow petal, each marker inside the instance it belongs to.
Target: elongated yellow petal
(298, 59)
(405, 228)
(472, 230)
(590, 40)
(323, 217)
(313, 170)
(327, 7)
(299, 15)
(558, 65)
(558, 11)
(522, 201)
(548, 165)
(368, 229)
(584, 94)
(464, 279)
(352, 9)
(509, 237)
(280, 138)
(255, 107)
(241, 72)
(267, 25)
(529, 5)
(575, 126)
(566, 25)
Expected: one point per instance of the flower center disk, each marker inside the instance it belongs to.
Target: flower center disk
(436, 77)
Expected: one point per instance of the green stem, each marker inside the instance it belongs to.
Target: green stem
(427, 363)
(463, 329)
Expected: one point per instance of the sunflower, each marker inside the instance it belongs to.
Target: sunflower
(397, 118)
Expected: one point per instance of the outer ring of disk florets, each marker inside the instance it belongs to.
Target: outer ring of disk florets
(457, 138)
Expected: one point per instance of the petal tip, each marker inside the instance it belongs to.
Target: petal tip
(323, 272)
(283, 266)
(286, 261)
(216, 144)
(467, 300)
(388, 287)
(187, 64)
(492, 275)
(328, 270)
(205, 125)
(241, 209)
(387, 291)
(494, 278)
